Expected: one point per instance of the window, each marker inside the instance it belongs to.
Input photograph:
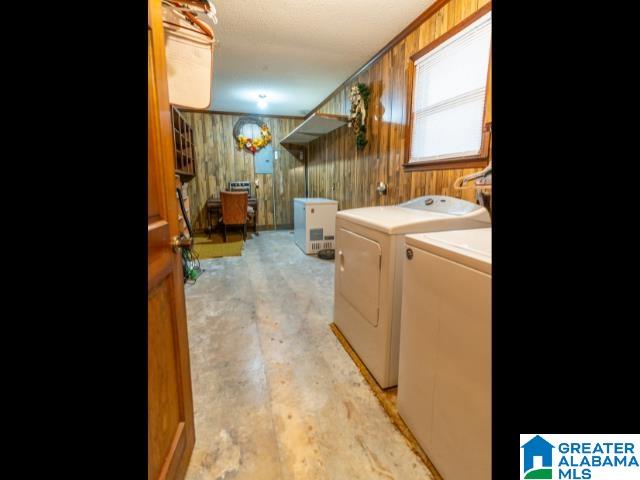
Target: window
(448, 101)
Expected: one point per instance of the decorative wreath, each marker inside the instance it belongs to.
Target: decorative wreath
(359, 103)
(251, 145)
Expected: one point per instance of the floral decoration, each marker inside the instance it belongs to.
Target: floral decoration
(251, 145)
(359, 102)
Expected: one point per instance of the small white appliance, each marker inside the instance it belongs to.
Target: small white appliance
(444, 383)
(314, 223)
(368, 271)
(240, 186)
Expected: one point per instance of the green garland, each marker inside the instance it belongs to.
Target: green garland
(359, 103)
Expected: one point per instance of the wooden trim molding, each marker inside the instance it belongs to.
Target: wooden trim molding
(217, 112)
(344, 118)
(468, 161)
(411, 71)
(453, 31)
(429, 12)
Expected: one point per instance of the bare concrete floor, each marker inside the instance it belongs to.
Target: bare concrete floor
(275, 395)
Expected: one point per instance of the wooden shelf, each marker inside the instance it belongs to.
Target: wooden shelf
(184, 150)
(185, 174)
(314, 127)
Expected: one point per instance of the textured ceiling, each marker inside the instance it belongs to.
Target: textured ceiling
(297, 52)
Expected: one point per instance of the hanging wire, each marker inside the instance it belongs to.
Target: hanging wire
(482, 180)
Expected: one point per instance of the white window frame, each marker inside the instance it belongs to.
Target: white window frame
(454, 160)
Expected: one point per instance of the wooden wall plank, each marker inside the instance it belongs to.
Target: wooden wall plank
(334, 162)
(218, 161)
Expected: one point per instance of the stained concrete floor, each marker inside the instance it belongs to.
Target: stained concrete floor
(275, 394)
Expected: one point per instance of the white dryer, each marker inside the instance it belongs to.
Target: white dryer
(444, 385)
(368, 271)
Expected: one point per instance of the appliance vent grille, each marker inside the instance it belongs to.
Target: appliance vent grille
(316, 246)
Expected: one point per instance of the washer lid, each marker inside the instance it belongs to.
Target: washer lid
(400, 220)
(468, 247)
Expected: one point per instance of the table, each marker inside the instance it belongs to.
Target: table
(214, 207)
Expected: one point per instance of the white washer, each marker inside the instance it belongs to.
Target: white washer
(368, 271)
(444, 384)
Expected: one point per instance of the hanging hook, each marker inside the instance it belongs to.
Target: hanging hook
(483, 178)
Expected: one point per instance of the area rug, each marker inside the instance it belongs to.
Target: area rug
(215, 247)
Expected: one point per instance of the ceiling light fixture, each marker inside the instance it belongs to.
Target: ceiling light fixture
(262, 103)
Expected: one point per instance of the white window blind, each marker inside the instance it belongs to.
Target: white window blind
(449, 93)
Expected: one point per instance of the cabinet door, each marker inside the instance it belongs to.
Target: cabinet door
(462, 395)
(418, 347)
(444, 383)
(359, 273)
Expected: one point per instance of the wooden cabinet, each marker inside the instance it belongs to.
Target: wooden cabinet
(184, 149)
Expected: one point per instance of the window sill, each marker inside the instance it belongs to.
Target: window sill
(448, 164)
(480, 160)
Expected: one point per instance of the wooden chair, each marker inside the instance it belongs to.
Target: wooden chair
(234, 211)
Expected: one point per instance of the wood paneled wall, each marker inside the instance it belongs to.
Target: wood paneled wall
(218, 161)
(336, 169)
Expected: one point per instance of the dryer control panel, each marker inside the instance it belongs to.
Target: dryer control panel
(442, 204)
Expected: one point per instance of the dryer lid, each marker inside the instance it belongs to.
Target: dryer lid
(424, 214)
(442, 204)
